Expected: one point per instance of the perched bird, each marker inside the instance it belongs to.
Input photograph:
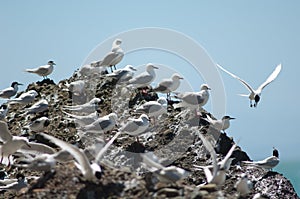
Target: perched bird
(123, 75)
(269, 163)
(17, 185)
(10, 91)
(102, 124)
(76, 87)
(218, 176)
(168, 85)
(114, 57)
(89, 69)
(3, 111)
(193, 100)
(83, 120)
(38, 107)
(24, 98)
(144, 79)
(12, 144)
(38, 125)
(153, 108)
(244, 185)
(164, 174)
(89, 107)
(43, 71)
(136, 127)
(222, 124)
(255, 94)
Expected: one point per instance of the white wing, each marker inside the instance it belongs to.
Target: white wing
(236, 77)
(271, 78)
(4, 132)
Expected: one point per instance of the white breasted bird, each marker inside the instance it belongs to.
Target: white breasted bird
(244, 185)
(255, 94)
(24, 98)
(10, 91)
(44, 70)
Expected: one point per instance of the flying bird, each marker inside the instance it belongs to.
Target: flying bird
(24, 98)
(44, 70)
(10, 91)
(255, 94)
(12, 144)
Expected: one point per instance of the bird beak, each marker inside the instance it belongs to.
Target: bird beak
(180, 77)
(232, 118)
(19, 84)
(155, 67)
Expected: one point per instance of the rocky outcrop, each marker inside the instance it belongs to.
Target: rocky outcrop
(172, 138)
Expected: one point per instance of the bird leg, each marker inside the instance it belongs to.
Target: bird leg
(137, 139)
(111, 69)
(115, 67)
(251, 103)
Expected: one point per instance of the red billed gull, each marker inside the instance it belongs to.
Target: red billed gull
(113, 57)
(144, 79)
(43, 71)
(136, 127)
(24, 98)
(169, 85)
(193, 100)
(10, 91)
(255, 94)
(124, 74)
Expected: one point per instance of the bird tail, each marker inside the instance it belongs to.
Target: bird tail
(29, 70)
(243, 95)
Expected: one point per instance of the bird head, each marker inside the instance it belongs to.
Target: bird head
(176, 76)
(150, 66)
(51, 62)
(15, 84)
(205, 87)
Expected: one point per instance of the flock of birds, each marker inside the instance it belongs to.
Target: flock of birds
(36, 156)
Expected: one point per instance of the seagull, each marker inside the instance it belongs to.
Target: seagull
(169, 85)
(89, 171)
(222, 124)
(269, 163)
(255, 94)
(153, 108)
(3, 111)
(43, 71)
(10, 91)
(243, 185)
(113, 57)
(38, 107)
(18, 185)
(83, 119)
(24, 98)
(136, 127)
(218, 176)
(144, 79)
(12, 144)
(193, 99)
(76, 87)
(38, 125)
(89, 107)
(102, 124)
(124, 74)
(164, 174)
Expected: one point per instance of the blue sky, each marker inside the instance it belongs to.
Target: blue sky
(248, 38)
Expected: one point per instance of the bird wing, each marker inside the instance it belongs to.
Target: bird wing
(105, 148)
(229, 153)
(164, 85)
(141, 79)
(76, 153)
(236, 77)
(193, 98)
(109, 57)
(5, 134)
(37, 149)
(271, 78)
